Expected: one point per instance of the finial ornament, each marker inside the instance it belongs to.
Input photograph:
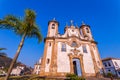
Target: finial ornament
(54, 19)
(83, 23)
(71, 21)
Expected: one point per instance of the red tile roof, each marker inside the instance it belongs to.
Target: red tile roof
(110, 58)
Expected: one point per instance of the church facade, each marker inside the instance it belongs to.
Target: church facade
(74, 52)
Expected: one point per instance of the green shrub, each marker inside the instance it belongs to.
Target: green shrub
(27, 77)
(74, 77)
(109, 74)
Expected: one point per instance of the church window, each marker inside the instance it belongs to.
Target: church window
(109, 64)
(116, 64)
(63, 48)
(50, 44)
(53, 26)
(72, 30)
(48, 61)
(87, 30)
(74, 44)
(84, 49)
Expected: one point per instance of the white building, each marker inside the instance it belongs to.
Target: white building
(18, 70)
(74, 52)
(112, 65)
(37, 67)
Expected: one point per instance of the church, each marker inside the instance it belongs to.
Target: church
(74, 52)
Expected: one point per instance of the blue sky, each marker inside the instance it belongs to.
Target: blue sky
(102, 15)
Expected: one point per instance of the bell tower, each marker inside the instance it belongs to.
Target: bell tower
(86, 31)
(52, 28)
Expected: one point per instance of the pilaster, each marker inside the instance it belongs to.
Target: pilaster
(94, 60)
(80, 57)
(42, 69)
(53, 65)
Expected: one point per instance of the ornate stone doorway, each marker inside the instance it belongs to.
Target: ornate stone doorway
(76, 67)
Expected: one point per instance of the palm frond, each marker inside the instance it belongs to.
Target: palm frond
(2, 49)
(35, 32)
(30, 17)
(20, 27)
(6, 24)
(10, 22)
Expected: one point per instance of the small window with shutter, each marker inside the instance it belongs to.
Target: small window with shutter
(84, 49)
(63, 47)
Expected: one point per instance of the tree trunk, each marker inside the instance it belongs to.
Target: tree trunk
(15, 57)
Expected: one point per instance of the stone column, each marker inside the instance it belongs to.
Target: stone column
(71, 63)
(82, 64)
(42, 69)
(80, 57)
(53, 65)
(94, 61)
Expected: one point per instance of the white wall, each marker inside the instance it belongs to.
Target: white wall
(96, 54)
(36, 69)
(118, 62)
(48, 56)
(88, 62)
(63, 62)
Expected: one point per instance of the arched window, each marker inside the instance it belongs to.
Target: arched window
(53, 26)
(63, 48)
(87, 30)
(74, 44)
(48, 60)
(50, 44)
(84, 49)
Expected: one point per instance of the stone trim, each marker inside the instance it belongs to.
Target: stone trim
(53, 65)
(69, 38)
(49, 28)
(42, 69)
(69, 42)
(90, 74)
(94, 60)
(101, 64)
(80, 57)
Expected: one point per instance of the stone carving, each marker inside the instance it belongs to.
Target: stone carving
(75, 51)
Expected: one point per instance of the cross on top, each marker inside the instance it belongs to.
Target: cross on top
(54, 18)
(71, 21)
(83, 23)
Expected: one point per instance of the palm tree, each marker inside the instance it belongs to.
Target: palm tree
(25, 27)
(2, 53)
(2, 49)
